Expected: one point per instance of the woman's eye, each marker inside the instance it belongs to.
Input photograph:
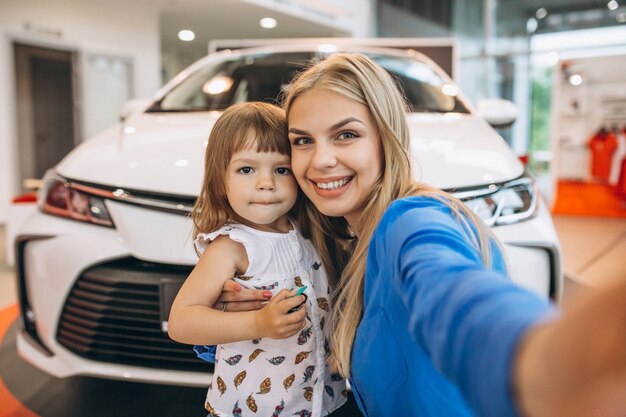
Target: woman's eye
(347, 135)
(245, 170)
(301, 141)
(283, 171)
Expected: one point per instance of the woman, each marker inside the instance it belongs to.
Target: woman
(424, 321)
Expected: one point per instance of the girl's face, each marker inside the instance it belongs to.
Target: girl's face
(336, 152)
(261, 189)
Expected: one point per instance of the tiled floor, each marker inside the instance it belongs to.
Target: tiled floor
(594, 252)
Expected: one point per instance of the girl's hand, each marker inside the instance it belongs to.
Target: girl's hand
(236, 298)
(275, 321)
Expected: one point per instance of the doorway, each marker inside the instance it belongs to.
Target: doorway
(46, 110)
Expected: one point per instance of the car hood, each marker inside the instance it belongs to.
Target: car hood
(154, 152)
(164, 153)
(459, 150)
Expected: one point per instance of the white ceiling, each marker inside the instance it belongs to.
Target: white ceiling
(239, 19)
(229, 19)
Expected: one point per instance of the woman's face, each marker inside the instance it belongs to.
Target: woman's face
(336, 152)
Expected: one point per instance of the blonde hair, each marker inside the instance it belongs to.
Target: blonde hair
(359, 79)
(253, 125)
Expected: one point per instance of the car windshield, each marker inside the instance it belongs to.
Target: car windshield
(263, 76)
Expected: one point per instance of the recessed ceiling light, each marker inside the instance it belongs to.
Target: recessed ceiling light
(541, 13)
(612, 5)
(186, 35)
(575, 79)
(268, 23)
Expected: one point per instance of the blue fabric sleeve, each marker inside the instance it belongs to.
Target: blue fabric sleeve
(469, 319)
(206, 353)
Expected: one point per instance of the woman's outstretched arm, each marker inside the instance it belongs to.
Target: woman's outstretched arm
(468, 318)
(502, 345)
(575, 366)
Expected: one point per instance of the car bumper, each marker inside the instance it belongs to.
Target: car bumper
(533, 253)
(91, 296)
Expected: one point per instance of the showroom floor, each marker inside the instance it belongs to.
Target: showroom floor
(593, 248)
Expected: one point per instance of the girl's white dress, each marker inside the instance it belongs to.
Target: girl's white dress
(268, 377)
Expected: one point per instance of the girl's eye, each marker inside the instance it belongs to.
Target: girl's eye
(283, 171)
(245, 170)
(301, 141)
(347, 135)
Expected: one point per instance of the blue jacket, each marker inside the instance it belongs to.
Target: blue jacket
(438, 330)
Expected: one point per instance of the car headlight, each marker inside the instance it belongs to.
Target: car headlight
(499, 204)
(60, 198)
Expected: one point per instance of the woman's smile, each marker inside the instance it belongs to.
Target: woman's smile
(335, 185)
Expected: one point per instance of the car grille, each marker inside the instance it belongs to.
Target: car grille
(114, 314)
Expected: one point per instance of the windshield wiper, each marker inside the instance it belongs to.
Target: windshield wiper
(423, 109)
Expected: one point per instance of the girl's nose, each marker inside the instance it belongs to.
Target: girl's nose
(324, 156)
(265, 183)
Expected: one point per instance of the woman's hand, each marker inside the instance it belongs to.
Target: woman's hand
(575, 366)
(275, 321)
(236, 298)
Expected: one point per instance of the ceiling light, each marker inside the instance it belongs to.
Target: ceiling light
(621, 17)
(186, 35)
(575, 79)
(268, 23)
(541, 13)
(531, 25)
(612, 5)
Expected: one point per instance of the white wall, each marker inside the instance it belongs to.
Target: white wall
(113, 27)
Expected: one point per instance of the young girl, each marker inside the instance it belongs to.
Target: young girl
(271, 361)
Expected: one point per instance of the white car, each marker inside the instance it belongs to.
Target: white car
(102, 258)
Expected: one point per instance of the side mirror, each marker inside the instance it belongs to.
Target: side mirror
(497, 112)
(133, 106)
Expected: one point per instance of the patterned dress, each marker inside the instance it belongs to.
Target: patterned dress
(270, 377)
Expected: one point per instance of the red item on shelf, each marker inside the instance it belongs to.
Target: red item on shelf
(620, 188)
(603, 144)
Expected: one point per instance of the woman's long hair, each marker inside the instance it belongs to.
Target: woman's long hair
(359, 79)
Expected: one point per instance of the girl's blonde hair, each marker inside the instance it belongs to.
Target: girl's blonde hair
(254, 125)
(359, 79)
